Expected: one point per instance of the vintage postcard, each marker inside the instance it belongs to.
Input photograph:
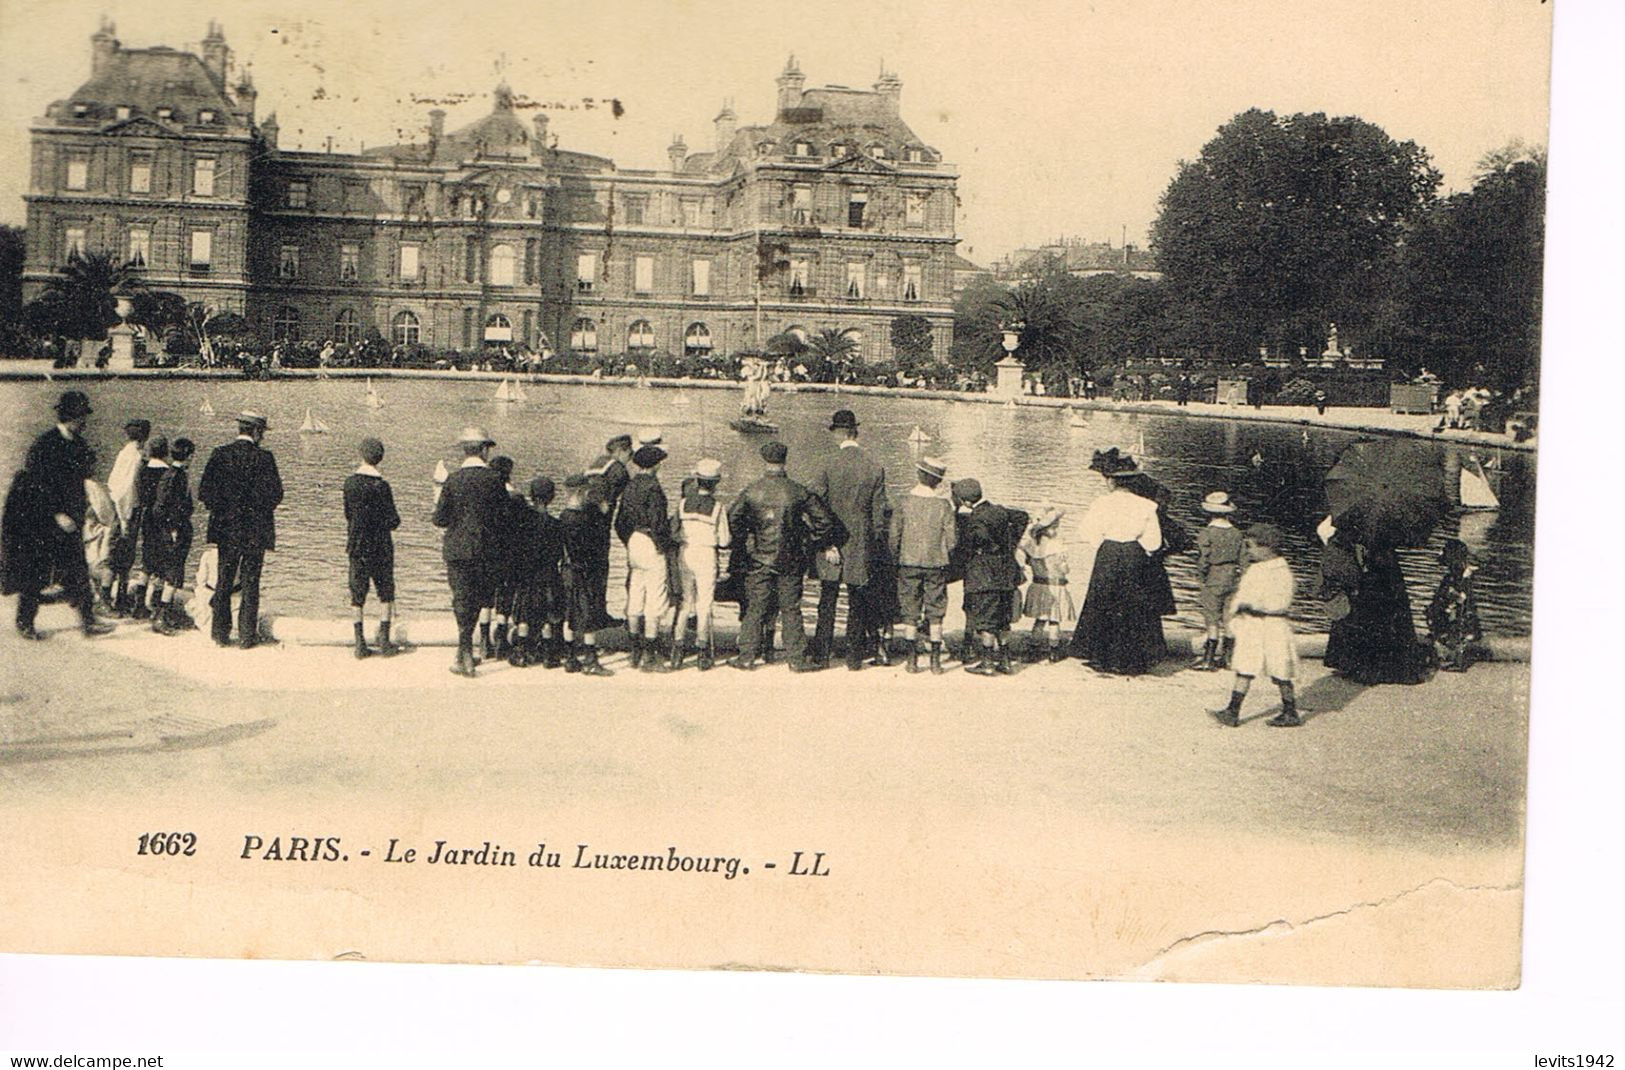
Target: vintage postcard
(1039, 492)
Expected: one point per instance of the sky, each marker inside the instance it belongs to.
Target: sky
(1064, 119)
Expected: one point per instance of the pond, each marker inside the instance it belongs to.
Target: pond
(1023, 456)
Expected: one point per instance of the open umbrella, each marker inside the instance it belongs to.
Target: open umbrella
(1392, 492)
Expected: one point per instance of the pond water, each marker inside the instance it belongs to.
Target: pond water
(1024, 456)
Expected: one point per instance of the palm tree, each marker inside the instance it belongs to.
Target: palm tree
(834, 348)
(81, 300)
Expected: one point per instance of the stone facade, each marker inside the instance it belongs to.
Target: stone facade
(833, 215)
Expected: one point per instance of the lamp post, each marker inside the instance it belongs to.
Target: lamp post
(1009, 370)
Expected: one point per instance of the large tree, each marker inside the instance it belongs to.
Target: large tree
(81, 300)
(911, 340)
(1285, 224)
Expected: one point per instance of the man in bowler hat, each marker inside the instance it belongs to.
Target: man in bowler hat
(853, 485)
(781, 523)
(241, 488)
(40, 540)
(472, 508)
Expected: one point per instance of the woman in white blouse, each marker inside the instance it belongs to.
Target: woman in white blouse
(1119, 627)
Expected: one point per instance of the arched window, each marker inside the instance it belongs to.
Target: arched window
(347, 327)
(697, 340)
(405, 325)
(641, 335)
(584, 336)
(498, 328)
(285, 325)
(502, 264)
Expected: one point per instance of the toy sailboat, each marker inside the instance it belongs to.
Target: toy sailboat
(373, 400)
(312, 425)
(519, 391)
(1476, 491)
(205, 409)
(917, 437)
(1010, 404)
(680, 400)
(1078, 419)
(510, 390)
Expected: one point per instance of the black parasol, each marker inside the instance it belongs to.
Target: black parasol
(1391, 492)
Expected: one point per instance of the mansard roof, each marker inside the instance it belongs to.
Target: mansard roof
(146, 79)
(825, 116)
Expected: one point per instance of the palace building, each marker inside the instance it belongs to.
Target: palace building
(834, 214)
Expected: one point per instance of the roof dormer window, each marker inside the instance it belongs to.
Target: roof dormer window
(802, 148)
(765, 148)
(166, 113)
(122, 111)
(916, 155)
(837, 151)
(205, 116)
(81, 110)
(877, 151)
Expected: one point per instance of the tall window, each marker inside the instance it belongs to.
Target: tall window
(140, 246)
(855, 278)
(584, 336)
(285, 326)
(409, 260)
(73, 242)
(700, 274)
(502, 265)
(634, 209)
(405, 328)
(349, 261)
(913, 281)
(78, 170)
(640, 336)
(697, 340)
(856, 202)
(533, 248)
(586, 273)
(801, 204)
(643, 274)
(203, 176)
(413, 195)
(468, 327)
(140, 173)
(202, 252)
(914, 208)
(298, 193)
(797, 285)
(288, 264)
(471, 259)
(347, 327)
(690, 208)
(530, 326)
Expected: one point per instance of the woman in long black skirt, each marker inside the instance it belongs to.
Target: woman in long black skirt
(1120, 625)
(1372, 638)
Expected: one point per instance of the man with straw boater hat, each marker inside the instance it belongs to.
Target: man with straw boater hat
(1219, 563)
(40, 537)
(242, 489)
(924, 532)
(472, 507)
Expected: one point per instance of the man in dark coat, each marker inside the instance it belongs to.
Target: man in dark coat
(473, 506)
(781, 523)
(40, 540)
(986, 561)
(853, 485)
(241, 489)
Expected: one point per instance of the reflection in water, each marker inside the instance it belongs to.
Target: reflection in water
(1026, 457)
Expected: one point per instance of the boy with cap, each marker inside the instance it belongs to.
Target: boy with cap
(923, 536)
(495, 642)
(370, 515)
(644, 526)
(1258, 619)
(701, 529)
(988, 536)
(144, 595)
(538, 610)
(169, 539)
(583, 598)
(121, 486)
(782, 523)
(1220, 558)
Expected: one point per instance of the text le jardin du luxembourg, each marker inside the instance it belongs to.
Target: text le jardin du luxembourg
(489, 855)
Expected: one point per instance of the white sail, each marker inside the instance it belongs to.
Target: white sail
(373, 400)
(1476, 492)
(1079, 419)
(312, 425)
(205, 409)
(503, 391)
(918, 437)
(518, 392)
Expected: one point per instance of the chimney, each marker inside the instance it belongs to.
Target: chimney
(269, 130)
(791, 83)
(538, 143)
(246, 96)
(437, 125)
(216, 55)
(890, 89)
(726, 123)
(677, 152)
(103, 45)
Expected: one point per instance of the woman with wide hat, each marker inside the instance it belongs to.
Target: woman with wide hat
(1120, 627)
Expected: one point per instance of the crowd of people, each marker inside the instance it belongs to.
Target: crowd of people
(531, 585)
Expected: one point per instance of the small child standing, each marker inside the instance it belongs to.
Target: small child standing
(538, 609)
(1453, 613)
(170, 527)
(1219, 562)
(370, 514)
(700, 528)
(1048, 601)
(1258, 619)
(581, 526)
